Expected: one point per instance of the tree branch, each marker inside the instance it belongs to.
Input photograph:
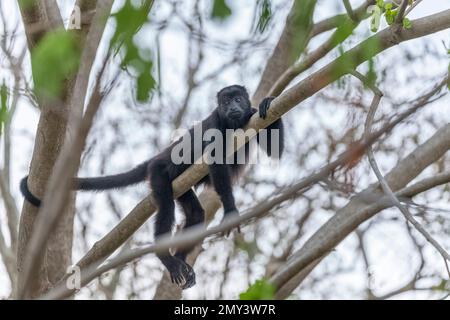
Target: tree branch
(286, 101)
(348, 8)
(401, 11)
(57, 193)
(334, 22)
(42, 12)
(193, 235)
(288, 48)
(385, 186)
(358, 210)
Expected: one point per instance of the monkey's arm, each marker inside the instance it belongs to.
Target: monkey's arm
(273, 145)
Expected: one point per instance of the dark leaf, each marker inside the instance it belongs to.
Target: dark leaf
(220, 10)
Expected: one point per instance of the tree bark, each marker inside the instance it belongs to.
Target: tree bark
(50, 136)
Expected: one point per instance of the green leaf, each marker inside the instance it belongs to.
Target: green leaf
(54, 60)
(265, 9)
(346, 62)
(407, 23)
(129, 20)
(448, 79)
(388, 6)
(3, 96)
(220, 10)
(340, 83)
(376, 13)
(380, 4)
(145, 85)
(260, 290)
(302, 21)
(344, 30)
(3, 106)
(371, 75)
(390, 16)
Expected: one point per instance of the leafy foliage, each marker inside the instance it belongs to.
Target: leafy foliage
(129, 19)
(346, 62)
(302, 23)
(390, 15)
(407, 23)
(260, 290)
(220, 10)
(344, 30)
(265, 15)
(3, 106)
(55, 58)
(371, 75)
(376, 12)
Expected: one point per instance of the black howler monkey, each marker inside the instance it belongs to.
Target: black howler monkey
(233, 111)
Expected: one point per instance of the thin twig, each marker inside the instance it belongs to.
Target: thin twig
(384, 185)
(401, 11)
(415, 3)
(350, 12)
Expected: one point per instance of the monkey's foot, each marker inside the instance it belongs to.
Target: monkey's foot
(182, 274)
(230, 215)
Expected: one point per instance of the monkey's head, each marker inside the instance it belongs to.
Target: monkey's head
(234, 106)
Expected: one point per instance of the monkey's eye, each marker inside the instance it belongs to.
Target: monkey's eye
(226, 102)
(238, 99)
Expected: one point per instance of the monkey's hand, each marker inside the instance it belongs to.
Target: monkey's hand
(230, 215)
(264, 106)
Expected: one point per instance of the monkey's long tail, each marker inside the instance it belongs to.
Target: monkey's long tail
(27, 193)
(136, 175)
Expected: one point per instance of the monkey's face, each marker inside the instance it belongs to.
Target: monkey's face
(234, 106)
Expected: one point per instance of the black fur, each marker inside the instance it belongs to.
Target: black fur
(136, 175)
(233, 111)
(27, 194)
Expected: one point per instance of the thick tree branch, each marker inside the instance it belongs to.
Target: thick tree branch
(42, 12)
(75, 93)
(57, 194)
